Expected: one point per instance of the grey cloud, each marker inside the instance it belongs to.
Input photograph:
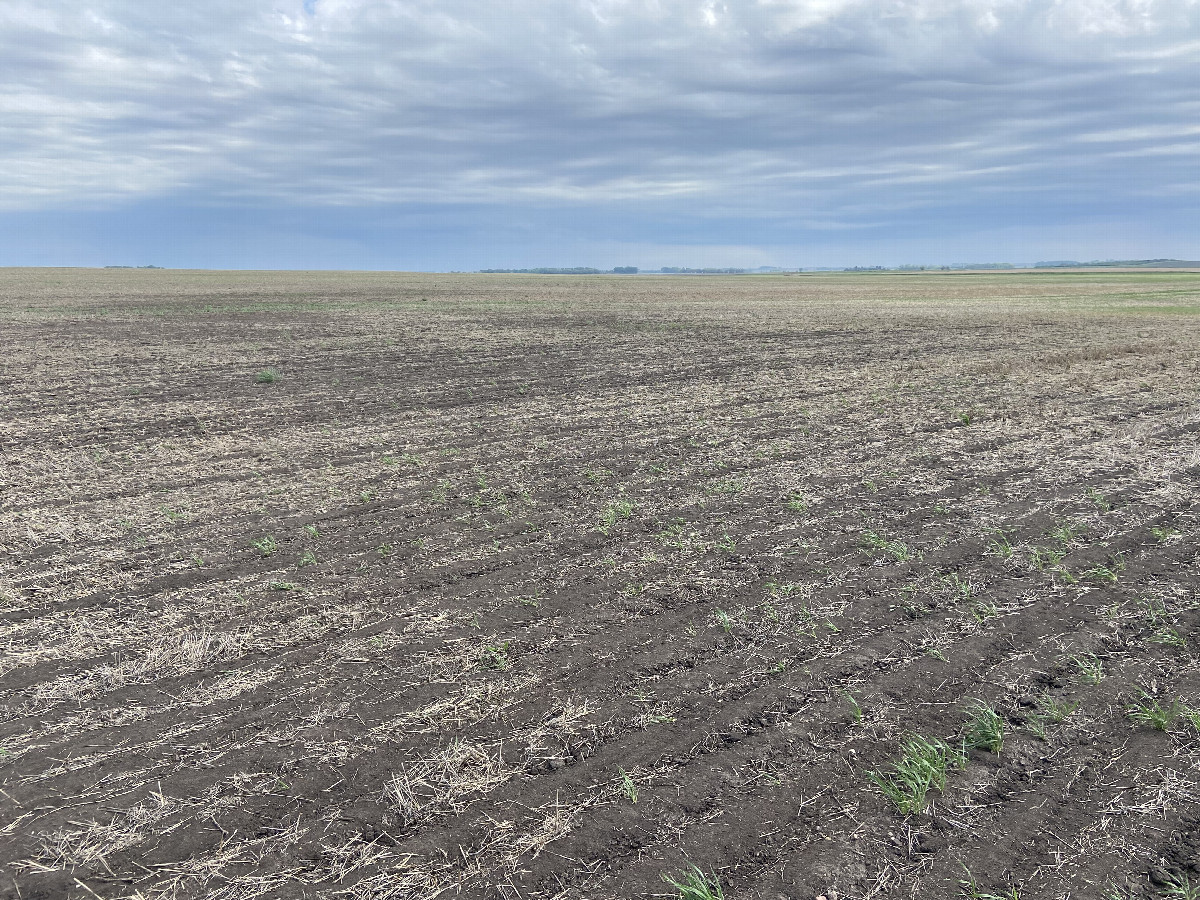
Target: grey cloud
(825, 113)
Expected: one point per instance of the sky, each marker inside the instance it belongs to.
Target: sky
(462, 134)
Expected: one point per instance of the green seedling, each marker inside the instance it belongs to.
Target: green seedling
(962, 589)
(267, 376)
(796, 503)
(1108, 572)
(1049, 710)
(1099, 499)
(622, 509)
(694, 884)
(1179, 886)
(284, 586)
(970, 889)
(1154, 610)
(983, 610)
(874, 540)
(440, 494)
(1063, 573)
(308, 558)
(1150, 713)
(1162, 533)
(984, 729)
(266, 546)
(312, 531)
(783, 588)
(923, 764)
(1089, 668)
(999, 544)
(1045, 558)
(897, 549)
(1069, 533)
(1037, 727)
(628, 787)
(1056, 711)
(673, 535)
(496, 656)
(856, 710)
(1168, 637)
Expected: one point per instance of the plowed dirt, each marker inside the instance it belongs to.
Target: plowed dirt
(403, 586)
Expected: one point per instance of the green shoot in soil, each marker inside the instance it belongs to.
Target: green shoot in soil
(1179, 886)
(856, 710)
(894, 548)
(266, 546)
(1149, 712)
(984, 729)
(970, 890)
(1091, 669)
(696, 885)
(922, 765)
(628, 787)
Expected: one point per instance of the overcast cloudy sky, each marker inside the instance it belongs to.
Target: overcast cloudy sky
(459, 134)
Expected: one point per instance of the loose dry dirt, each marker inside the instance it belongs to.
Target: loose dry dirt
(493, 556)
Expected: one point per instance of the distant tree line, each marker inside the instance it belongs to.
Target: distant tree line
(955, 268)
(1121, 263)
(676, 270)
(573, 270)
(914, 268)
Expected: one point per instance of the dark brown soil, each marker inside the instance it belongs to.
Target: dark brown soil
(491, 556)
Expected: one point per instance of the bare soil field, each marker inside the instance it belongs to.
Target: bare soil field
(409, 586)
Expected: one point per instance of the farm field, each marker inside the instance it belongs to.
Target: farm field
(371, 585)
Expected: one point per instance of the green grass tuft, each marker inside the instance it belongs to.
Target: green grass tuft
(1151, 713)
(984, 729)
(923, 764)
(694, 884)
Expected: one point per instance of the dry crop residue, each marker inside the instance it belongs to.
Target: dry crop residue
(404, 586)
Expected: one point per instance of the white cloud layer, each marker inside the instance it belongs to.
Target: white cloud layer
(827, 114)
